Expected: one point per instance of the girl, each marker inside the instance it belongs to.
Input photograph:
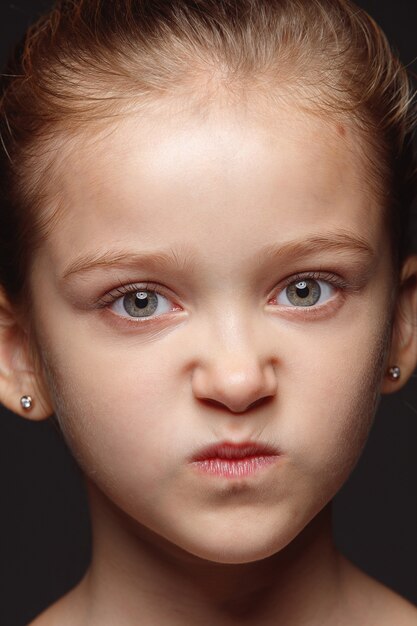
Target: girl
(206, 278)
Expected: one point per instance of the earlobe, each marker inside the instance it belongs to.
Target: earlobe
(19, 379)
(402, 359)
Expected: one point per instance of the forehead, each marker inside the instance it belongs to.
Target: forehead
(174, 175)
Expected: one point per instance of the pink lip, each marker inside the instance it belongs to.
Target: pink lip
(232, 460)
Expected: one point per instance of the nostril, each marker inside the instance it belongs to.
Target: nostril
(223, 405)
(255, 404)
(263, 400)
(213, 403)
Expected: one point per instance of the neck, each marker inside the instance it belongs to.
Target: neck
(138, 577)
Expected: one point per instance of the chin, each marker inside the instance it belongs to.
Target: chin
(233, 548)
(236, 557)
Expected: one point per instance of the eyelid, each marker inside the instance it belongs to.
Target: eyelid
(335, 280)
(111, 297)
(123, 290)
(329, 277)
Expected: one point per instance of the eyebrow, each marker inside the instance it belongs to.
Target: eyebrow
(186, 260)
(127, 259)
(338, 241)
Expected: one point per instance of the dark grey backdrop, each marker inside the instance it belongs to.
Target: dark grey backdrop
(45, 535)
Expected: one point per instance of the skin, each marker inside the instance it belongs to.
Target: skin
(228, 359)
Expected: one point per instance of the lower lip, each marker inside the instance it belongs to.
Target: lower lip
(235, 468)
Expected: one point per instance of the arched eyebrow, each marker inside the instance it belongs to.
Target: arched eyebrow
(185, 260)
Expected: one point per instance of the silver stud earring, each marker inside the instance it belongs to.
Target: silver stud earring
(394, 372)
(26, 402)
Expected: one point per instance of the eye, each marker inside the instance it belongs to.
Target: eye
(306, 292)
(141, 303)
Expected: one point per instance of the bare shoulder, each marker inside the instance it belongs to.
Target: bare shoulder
(43, 619)
(55, 615)
(67, 611)
(373, 602)
(399, 611)
(52, 616)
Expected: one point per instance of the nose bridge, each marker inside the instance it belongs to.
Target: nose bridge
(234, 339)
(236, 364)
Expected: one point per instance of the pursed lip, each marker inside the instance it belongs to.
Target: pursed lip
(229, 451)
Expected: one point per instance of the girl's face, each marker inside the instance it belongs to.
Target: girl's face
(217, 277)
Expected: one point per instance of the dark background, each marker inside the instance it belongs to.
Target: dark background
(44, 527)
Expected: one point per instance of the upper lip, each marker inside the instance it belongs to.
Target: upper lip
(230, 450)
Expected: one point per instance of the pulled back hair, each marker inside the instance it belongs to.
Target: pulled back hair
(90, 60)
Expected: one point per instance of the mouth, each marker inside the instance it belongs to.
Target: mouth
(234, 460)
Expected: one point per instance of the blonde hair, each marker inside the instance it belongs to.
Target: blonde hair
(88, 60)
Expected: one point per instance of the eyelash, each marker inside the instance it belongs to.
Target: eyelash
(124, 290)
(334, 280)
(317, 310)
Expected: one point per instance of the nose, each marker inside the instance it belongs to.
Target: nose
(235, 374)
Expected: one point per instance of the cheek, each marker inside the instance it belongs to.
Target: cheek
(330, 400)
(113, 409)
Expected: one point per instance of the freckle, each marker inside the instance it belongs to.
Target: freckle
(341, 130)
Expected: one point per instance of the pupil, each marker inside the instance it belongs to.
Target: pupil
(302, 289)
(142, 299)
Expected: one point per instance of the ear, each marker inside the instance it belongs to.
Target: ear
(403, 351)
(20, 373)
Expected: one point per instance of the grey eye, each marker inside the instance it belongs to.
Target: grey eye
(141, 304)
(306, 292)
